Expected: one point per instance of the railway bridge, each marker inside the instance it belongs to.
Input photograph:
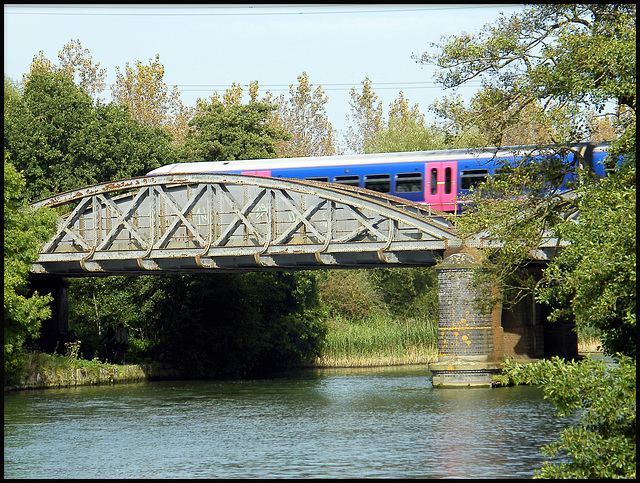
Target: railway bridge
(200, 223)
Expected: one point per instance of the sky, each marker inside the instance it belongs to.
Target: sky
(206, 48)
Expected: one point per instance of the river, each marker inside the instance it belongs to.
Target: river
(324, 423)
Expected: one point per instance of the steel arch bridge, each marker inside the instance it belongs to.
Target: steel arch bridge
(194, 223)
(199, 222)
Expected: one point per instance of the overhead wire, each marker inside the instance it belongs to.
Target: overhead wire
(246, 9)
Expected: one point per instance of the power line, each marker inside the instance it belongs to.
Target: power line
(325, 87)
(246, 10)
(380, 85)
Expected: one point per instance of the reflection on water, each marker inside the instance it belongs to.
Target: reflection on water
(333, 423)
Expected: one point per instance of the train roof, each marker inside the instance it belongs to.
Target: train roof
(349, 159)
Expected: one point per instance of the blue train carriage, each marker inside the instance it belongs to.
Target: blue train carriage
(437, 178)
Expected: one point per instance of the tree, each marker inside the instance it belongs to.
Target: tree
(233, 97)
(562, 56)
(408, 292)
(261, 320)
(400, 111)
(563, 62)
(366, 115)
(305, 118)
(410, 135)
(77, 64)
(60, 141)
(38, 130)
(102, 303)
(24, 233)
(508, 56)
(236, 131)
(143, 90)
(407, 131)
(594, 278)
(350, 295)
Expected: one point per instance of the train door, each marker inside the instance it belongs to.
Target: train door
(441, 185)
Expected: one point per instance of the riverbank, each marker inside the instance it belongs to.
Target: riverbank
(41, 371)
(47, 371)
(77, 372)
(104, 375)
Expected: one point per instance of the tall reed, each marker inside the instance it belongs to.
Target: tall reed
(377, 341)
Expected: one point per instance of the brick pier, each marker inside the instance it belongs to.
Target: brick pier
(472, 345)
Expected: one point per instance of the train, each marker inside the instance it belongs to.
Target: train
(438, 178)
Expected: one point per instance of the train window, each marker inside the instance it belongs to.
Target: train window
(408, 182)
(434, 181)
(447, 180)
(320, 178)
(378, 182)
(348, 180)
(471, 177)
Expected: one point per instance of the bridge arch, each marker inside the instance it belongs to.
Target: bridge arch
(197, 222)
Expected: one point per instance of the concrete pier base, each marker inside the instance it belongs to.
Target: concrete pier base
(460, 373)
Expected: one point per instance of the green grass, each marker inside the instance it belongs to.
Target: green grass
(379, 341)
(57, 369)
(56, 363)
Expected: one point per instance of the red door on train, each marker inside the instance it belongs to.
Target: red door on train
(441, 185)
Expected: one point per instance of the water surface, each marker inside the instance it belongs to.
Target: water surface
(333, 423)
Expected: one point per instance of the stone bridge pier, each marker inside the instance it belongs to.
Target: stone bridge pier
(472, 345)
(469, 342)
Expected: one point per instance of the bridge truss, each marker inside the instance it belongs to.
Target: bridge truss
(195, 223)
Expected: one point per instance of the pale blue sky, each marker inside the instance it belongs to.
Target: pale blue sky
(206, 48)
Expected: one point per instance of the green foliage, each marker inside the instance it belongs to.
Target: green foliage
(409, 135)
(113, 146)
(413, 135)
(57, 368)
(148, 99)
(379, 316)
(72, 349)
(594, 278)
(366, 116)
(408, 292)
(304, 116)
(209, 325)
(226, 133)
(358, 296)
(350, 295)
(240, 324)
(24, 233)
(553, 66)
(561, 58)
(102, 303)
(603, 445)
(60, 141)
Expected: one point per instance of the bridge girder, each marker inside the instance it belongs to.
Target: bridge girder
(195, 223)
